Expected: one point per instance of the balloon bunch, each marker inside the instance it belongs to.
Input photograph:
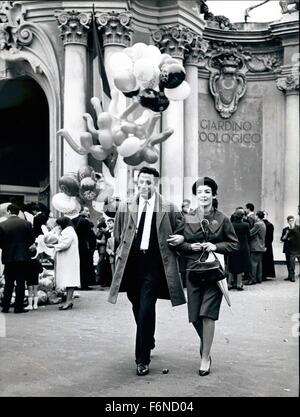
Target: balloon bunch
(81, 188)
(134, 140)
(155, 78)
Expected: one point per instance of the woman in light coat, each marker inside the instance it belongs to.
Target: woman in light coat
(67, 271)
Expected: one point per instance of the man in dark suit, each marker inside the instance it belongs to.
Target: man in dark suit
(291, 246)
(87, 245)
(257, 248)
(16, 236)
(146, 267)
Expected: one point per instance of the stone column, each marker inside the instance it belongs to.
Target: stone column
(74, 26)
(116, 36)
(191, 115)
(290, 86)
(173, 40)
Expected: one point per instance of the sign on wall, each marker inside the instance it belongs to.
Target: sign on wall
(230, 151)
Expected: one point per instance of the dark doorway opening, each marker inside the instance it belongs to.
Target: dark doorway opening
(24, 134)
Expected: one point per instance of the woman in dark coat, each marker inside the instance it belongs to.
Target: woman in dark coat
(268, 268)
(239, 262)
(206, 229)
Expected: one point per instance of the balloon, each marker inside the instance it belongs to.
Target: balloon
(63, 202)
(111, 206)
(150, 154)
(86, 140)
(104, 122)
(50, 239)
(134, 159)
(126, 82)
(113, 105)
(119, 62)
(88, 189)
(98, 152)
(85, 172)
(179, 93)
(129, 52)
(171, 76)
(153, 100)
(138, 51)
(153, 82)
(131, 94)
(163, 58)
(130, 146)
(69, 185)
(144, 70)
(118, 135)
(154, 54)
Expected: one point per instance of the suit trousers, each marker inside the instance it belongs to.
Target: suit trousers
(256, 266)
(14, 272)
(291, 263)
(142, 292)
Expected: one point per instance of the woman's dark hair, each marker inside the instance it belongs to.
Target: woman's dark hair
(205, 181)
(64, 222)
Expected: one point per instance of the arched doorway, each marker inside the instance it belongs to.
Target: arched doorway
(24, 141)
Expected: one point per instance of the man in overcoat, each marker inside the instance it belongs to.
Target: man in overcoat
(16, 236)
(257, 248)
(146, 264)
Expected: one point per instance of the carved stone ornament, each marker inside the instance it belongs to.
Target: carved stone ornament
(285, 6)
(11, 18)
(116, 28)
(197, 50)
(266, 62)
(227, 81)
(174, 40)
(290, 84)
(74, 26)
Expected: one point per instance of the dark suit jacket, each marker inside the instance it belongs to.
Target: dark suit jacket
(16, 235)
(291, 240)
(239, 261)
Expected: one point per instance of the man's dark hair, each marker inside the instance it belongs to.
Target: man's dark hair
(260, 214)
(150, 171)
(13, 209)
(250, 206)
(186, 200)
(290, 217)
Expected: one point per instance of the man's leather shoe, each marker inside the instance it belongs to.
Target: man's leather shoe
(20, 311)
(292, 280)
(287, 279)
(142, 370)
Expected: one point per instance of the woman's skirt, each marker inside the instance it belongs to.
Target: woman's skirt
(204, 299)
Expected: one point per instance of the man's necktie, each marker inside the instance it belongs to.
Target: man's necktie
(140, 229)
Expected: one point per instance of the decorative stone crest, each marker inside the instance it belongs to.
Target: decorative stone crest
(116, 28)
(289, 85)
(74, 26)
(197, 50)
(174, 40)
(284, 4)
(227, 80)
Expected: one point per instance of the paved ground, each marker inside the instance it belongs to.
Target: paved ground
(88, 351)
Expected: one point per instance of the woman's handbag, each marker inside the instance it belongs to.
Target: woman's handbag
(207, 268)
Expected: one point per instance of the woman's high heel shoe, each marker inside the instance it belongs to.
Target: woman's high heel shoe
(207, 372)
(66, 307)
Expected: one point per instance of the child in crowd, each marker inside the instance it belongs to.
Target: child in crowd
(34, 268)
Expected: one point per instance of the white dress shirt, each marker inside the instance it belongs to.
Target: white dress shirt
(148, 219)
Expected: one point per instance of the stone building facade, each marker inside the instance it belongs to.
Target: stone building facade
(240, 123)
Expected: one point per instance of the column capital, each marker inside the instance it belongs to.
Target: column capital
(116, 28)
(174, 40)
(289, 84)
(196, 51)
(74, 26)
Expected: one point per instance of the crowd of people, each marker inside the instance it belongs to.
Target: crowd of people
(138, 251)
